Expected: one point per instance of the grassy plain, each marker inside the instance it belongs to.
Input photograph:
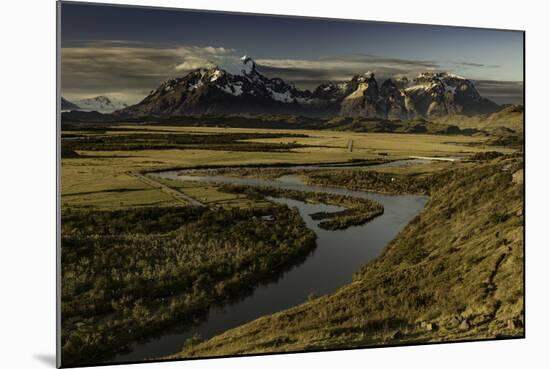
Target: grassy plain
(99, 179)
(126, 242)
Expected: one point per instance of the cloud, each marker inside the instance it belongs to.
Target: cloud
(310, 73)
(353, 62)
(501, 91)
(476, 65)
(201, 57)
(349, 65)
(193, 63)
(130, 70)
(345, 66)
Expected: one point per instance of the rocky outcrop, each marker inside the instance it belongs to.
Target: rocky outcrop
(215, 91)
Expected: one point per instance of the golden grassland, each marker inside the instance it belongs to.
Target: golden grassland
(397, 145)
(100, 179)
(454, 273)
(211, 195)
(511, 117)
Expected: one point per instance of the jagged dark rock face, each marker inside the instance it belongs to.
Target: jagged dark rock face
(215, 91)
(67, 105)
(394, 101)
(439, 94)
(365, 100)
(327, 97)
(428, 95)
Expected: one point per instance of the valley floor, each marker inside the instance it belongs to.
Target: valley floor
(454, 273)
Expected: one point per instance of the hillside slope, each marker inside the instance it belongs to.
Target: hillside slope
(454, 273)
(68, 105)
(510, 117)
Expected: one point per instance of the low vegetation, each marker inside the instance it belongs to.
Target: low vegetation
(129, 273)
(454, 273)
(357, 211)
(92, 179)
(509, 119)
(128, 141)
(273, 172)
(369, 180)
(456, 125)
(135, 261)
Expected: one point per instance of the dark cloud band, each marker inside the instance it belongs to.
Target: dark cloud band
(129, 71)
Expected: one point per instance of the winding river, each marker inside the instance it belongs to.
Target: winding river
(338, 255)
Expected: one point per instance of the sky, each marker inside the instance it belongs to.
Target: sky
(125, 52)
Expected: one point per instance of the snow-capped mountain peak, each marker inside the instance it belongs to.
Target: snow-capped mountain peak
(102, 104)
(249, 65)
(215, 90)
(368, 75)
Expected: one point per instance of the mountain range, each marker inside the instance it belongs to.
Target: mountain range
(102, 104)
(215, 91)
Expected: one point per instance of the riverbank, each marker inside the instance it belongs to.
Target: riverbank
(125, 279)
(357, 211)
(113, 220)
(454, 273)
(341, 252)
